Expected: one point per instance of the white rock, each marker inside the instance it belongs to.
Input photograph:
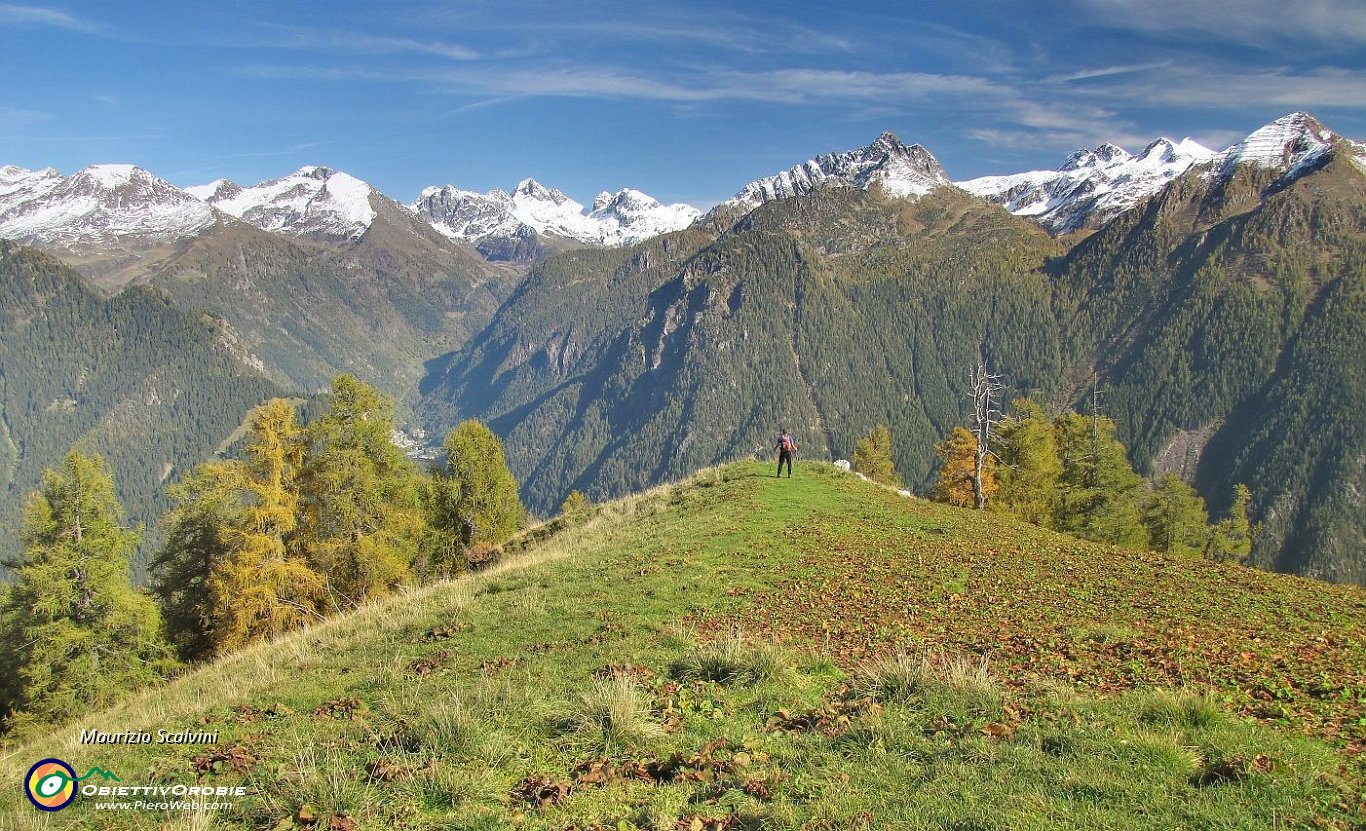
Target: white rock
(842, 464)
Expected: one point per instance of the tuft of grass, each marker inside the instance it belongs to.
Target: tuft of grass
(1188, 710)
(461, 789)
(897, 677)
(615, 712)
(901, 678)
(971, 680)
(732, 661)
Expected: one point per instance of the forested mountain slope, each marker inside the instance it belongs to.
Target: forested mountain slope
(826, 313)
(1230, 311)
(377, 306)
(152, 388)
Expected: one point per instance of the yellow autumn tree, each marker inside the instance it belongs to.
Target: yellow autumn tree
(958, 453)
(263, 586)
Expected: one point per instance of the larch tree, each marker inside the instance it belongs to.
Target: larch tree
(1099, 494)
(873, 457)
(1230, 540)
(957, 483)
(1176, 518)
(476, 497)
(265, 586)
(1030, 466)
(207, 504)
(77, 633)
(576, 506)
(363, 519)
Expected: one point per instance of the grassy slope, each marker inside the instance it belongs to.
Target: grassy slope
(490, 702)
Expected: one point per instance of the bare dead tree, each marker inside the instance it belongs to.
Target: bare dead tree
(986, 414)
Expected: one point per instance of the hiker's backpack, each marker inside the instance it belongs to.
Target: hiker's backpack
(787, 444)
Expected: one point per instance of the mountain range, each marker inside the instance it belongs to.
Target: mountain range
(629, 342)
(1215, 315)
(112, 205)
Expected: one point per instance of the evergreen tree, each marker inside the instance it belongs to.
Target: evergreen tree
(77, 633)
(264, 586)
(1100, 495)
(958, 454)
(1176, 518)
(1030, 470)
(1231, 539)
(873, 457)
(475, 498)
(363, 513)
(207, 505)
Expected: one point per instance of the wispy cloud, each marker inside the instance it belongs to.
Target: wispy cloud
(11, 15)
(791, 86)
(1231, 87)
(357, 43)
(549, 29)
(1263, 23)
(1107, 71)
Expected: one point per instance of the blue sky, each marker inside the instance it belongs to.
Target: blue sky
(686, 101)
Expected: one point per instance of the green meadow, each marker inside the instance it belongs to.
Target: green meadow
(737, 651)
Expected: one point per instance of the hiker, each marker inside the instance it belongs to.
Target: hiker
(785, 447)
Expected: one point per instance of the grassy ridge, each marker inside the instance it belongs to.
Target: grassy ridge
(598, 682)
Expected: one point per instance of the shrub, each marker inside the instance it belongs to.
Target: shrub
(482, 555)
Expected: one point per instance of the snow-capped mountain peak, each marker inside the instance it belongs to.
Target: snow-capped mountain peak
(898, 169)
(1292, 144)
(620, 218)
(314, 200)
(18, 184)
(534, 191)
(101, 204)
(1092, 186)
(1106, 155)
(215, 191)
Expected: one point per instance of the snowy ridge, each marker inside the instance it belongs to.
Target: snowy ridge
(311, 201)
(1092, 186)
(18, 185)
(899, 170)
(100, 205)
(623, 218)
(1293, 144)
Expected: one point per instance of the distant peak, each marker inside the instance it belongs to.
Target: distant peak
(533, 189)
(898, 170)
(888, 139)
(530, 186)
(1294, 143)
(215, 191)
(1166, 150)
(1104, 154)
(1299, 119)
(111, 175)
(315, 171)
